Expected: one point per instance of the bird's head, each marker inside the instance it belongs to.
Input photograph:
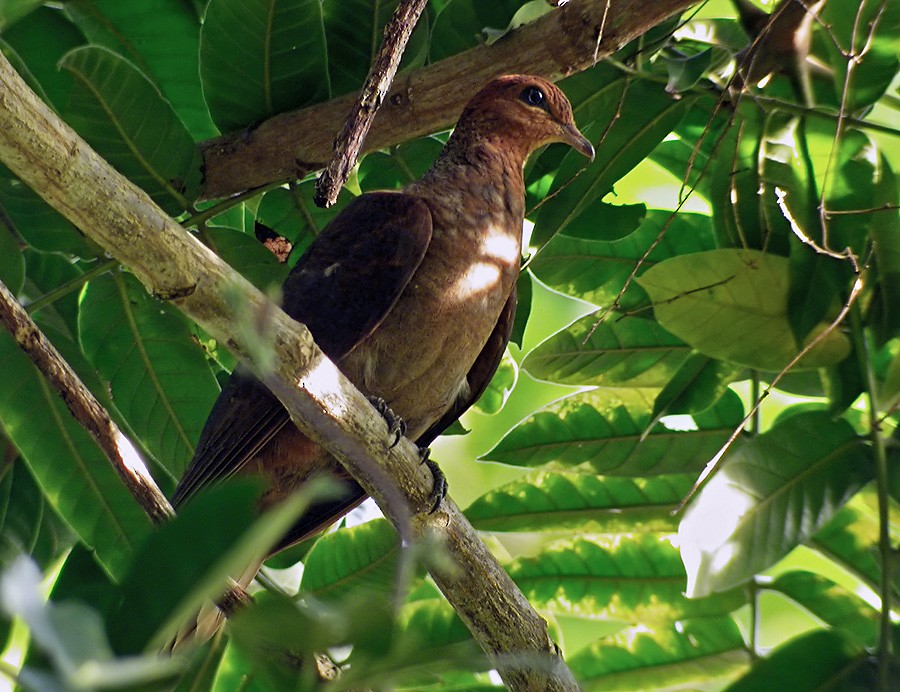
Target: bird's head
(523, 112)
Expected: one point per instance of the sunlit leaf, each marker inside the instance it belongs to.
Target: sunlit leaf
(688, 654)
(617, 351)
(603, 427)
(769, 495)
(732, 305)
(697, 385)
(364, 556)
(638, 579)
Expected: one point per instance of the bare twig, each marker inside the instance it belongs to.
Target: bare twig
(381, 74)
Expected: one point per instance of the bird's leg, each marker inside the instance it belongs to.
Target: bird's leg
(396, 425)
(439, 489)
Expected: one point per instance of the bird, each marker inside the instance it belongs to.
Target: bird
(411, 293)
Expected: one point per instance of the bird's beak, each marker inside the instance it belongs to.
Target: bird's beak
(577, 141)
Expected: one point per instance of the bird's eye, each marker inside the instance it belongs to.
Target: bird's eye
(533, 97)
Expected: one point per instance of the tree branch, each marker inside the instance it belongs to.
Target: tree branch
(48, 156)
(290, 145)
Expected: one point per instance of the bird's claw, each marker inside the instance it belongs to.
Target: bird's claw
(396, 425)
(439, 487)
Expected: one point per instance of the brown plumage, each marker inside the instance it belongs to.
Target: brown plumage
(411, 293)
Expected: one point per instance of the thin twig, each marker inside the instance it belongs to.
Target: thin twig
(349, 141)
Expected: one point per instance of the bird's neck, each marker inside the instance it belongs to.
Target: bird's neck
(487, 172)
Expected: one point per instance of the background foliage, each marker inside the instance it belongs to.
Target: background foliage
(669, 285)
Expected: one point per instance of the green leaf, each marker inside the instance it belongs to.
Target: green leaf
(460, 24)
(814, 661)
(687, 655)
(119, 111)
(637, 579)
(399, 165)
(603, 428)
(12, 263)
(159, 377)
(732, 305)
(42, 227)
(524, 295)
(361, 557)
(595, 270)
(583, 502)
(500, 386)
(698, 384)
(40, 57)
(46, 272)
(768, 496)
(646, 115)
(162, 39)
(252, 259)
(28, 524)
(686, 71)
(617, 351)
(886, 236)
(838, 607)
(72, 471)
(354, 32)
(186, 561)
(262, 57)
(867, 31)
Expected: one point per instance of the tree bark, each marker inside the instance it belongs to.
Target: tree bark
(290, 145)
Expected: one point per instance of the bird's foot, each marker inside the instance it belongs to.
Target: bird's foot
(439, 488)
(396, 425)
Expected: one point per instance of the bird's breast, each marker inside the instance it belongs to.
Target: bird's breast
(418, 357)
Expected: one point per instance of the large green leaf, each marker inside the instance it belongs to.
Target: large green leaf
(354, 29)
(28, 524)
(637, 579)
(820, 660)
(123, 116)
(162, 39)
(732, 305)
(840, 608)
(886, 235)
(620, 350)
(603, 427)
(73, 473)
(687, 655)
(251, 258)
(596, 271)
(361, 557)
(159, 377)
(262, 57)
(768, 496)
(583, 502)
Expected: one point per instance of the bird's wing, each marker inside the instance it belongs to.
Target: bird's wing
(341, 289)
(481, 372)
